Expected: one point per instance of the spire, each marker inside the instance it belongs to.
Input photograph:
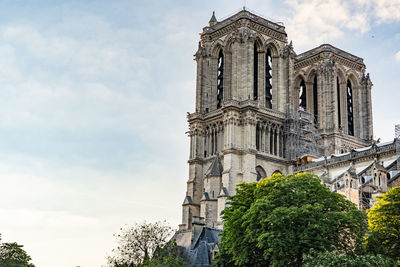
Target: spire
(213, 20)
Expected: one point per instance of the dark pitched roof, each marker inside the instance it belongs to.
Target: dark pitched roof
(188, 200)
(205, 242)
(394, 163)
(205, 196)
(224, 192)
(394, 178)
(366, 169)
(201, 255)
(215, 168)
(380, 167)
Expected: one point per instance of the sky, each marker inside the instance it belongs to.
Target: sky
(93, 102)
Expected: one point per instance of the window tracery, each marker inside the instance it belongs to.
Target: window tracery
(350, 123)
(315, 99)
(255, 60)
(302, 96)
(268, 79)
(220, 79)
(338, 103)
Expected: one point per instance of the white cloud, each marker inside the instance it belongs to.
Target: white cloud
(386, 10)
(68, 209)
(397, 56)
(62, 86)
(318, 21)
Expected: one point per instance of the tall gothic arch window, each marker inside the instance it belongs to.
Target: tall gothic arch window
(315, 99)
(260, 173)
(338, 103)
(220, 79)
(350, 123)
(268, 79)
(302, 95)
(255, 60)
(258, 137)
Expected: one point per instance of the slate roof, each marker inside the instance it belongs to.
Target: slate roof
(365, 170)
(204, 242)
(391, 165)
(394, 178)
(207, 240)
(215, 168)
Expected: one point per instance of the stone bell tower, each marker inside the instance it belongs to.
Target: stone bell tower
(236, 131)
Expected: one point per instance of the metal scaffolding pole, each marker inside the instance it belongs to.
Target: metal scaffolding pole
(301, 135)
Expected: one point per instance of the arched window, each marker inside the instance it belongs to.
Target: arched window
(255, 60)
(268, 79)
(220, 79)
(258, 137)
(350, 123)
(260, 173)
(315, 99)
(338, 103)
(302, 96)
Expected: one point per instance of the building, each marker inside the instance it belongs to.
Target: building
(261, 109)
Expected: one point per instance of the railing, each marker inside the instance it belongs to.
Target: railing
(353, 155)
(329, 48)
(246, 13)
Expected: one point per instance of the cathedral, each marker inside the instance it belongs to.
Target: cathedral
(263, 109)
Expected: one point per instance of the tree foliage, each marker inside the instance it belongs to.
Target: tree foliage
(12, 255)
(334, 259)
(277, 220)
(145, 244)
(384, 225)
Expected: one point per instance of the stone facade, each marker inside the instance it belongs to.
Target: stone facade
(253, 96)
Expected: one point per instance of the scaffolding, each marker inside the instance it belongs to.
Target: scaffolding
(397, 138)
(301, 135)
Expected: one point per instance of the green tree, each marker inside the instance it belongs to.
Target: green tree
(146, 244)
(277, 220)
(384, 225)
(334, 259)
(12, 255)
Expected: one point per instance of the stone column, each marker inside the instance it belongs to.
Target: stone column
(261, 79)
(278, 142)
(268, 137)
(192, 144)
(343, 105)
(263, 138)
(309, 95)
(357, 112)
(209, 141)
(199, 92)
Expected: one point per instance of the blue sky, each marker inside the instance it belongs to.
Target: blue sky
(93, 105)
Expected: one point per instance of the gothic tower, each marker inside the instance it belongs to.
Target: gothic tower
(251, 87)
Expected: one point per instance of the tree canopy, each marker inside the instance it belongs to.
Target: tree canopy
(334, 259)
(12, 255)
(384, 225)
(279, 219)
(145, 244)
